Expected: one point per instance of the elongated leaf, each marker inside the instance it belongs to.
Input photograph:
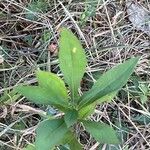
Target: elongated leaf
(72, 60)
(53, 84)
(51, 90)
(89, 109)
(101, 132)
(35, 94)
(75, 145)
(41, 95)
(50, 133)
(71, 117)
(107, 98)
(72, 141)
(86, 111)
(109, 82)
(68, 137)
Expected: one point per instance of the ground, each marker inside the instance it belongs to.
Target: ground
(29, 33)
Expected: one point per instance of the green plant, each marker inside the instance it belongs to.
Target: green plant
(90, 11)
(34, 8)
(52, 91)
(140, 89)
(9, 97)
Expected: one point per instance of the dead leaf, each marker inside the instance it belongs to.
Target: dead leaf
(139, 16)
(3, 112)
(53, 48)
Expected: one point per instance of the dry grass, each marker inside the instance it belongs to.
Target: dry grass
(108, 38)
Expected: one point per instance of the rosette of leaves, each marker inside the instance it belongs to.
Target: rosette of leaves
(51, 90)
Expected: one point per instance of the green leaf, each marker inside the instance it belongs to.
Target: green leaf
(103, 133)
(41, 95)
(53, 84)
(143, 88)
(9, 97)
(90, 11)
(68, 137)
(75, 145)
(35, 94)
(72, 141)
(86, 111)
(50, 133)
(34, 8)
(51, 91)
(107, 98)
(72, 60)
(71, 117)
(109, 82)
(46, 36)
(89, 109)
(143, 98)
(142, 119)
